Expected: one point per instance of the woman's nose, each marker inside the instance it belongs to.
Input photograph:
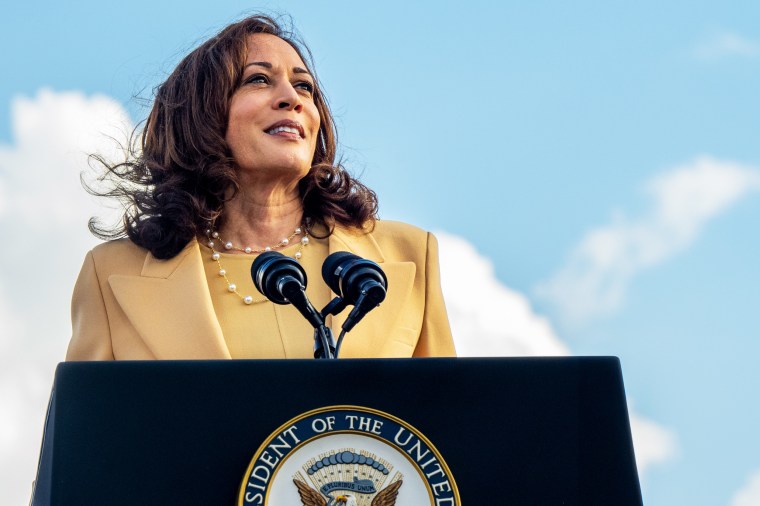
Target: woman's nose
(288, 98)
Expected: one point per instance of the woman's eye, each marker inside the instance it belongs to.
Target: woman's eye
(306, 86)
(257, 79)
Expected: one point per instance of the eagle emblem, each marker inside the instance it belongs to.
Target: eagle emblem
(347, 456)
(348, 478)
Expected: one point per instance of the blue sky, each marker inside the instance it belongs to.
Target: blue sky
(597, 163)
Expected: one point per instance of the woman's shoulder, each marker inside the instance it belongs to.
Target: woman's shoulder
(399, 230)
(386, 230)
(119, 255)
(119, 247)
(401, 241)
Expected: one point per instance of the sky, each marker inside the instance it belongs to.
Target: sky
(591, 169)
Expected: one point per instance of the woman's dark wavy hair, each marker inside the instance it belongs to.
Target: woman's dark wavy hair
(175, 183)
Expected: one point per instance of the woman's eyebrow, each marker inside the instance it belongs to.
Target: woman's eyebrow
(264, 64)
(267, 65)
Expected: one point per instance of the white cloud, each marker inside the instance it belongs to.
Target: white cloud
(596, 277)
(749, 495)
(10, 324)
(726, 44)
(53, 135)
(488, 318)
(652, 443)
(43, 213)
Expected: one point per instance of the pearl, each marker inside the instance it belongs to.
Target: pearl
(215, 235)
(267, 249)
(284, 242)
(231, 287)
(298, 255)
(228, 245)
(298, 230)
(215, 256)
(211, 244)
(222, 272)
(305, 240)
(247, 299)
(208, 231)
(248, 249)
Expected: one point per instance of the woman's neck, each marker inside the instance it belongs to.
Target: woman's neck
(261, 219)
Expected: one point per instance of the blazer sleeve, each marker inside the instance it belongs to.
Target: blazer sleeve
(91, 335)
(435, 337)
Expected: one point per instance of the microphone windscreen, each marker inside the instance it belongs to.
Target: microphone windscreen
(331, 268)
(272, 267)
(260, 266)
(347, 275)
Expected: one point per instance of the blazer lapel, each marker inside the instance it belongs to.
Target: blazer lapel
(170, 307)
(369, 337)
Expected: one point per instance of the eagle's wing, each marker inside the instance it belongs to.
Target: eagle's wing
(387, 496)
(309, 496)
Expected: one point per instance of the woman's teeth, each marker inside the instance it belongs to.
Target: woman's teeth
(290, 130)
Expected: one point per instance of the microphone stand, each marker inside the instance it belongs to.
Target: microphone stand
(334, 307)
(295, 293)
(323, 343)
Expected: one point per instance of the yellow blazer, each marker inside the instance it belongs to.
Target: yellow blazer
(128, 305)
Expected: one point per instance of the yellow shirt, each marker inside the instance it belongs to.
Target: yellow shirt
(254, 331)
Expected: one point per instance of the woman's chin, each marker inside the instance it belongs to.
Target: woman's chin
(291, 167)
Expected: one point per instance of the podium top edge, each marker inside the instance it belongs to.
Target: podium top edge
(575, 359)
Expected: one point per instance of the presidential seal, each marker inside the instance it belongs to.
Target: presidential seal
(347, 456)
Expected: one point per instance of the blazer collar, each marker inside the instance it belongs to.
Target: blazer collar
(362, 244)
(170, 307)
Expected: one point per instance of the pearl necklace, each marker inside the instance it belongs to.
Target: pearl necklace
(216, 256)
(213, 234)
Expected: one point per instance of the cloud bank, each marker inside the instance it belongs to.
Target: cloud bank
(44, 212)
(599, 271)
(488, 318)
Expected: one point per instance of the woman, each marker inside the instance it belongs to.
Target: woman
(238, 157)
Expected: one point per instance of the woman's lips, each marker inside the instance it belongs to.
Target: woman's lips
(286, 128)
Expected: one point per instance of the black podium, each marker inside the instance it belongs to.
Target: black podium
(512, 431)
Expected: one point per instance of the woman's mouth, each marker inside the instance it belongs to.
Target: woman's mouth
(286, 129)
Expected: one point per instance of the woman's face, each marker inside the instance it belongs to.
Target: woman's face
(273, 120)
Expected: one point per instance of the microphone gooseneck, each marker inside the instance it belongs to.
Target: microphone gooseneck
(283, 281)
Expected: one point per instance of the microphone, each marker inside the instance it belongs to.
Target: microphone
(357, 281)
(283, 281)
